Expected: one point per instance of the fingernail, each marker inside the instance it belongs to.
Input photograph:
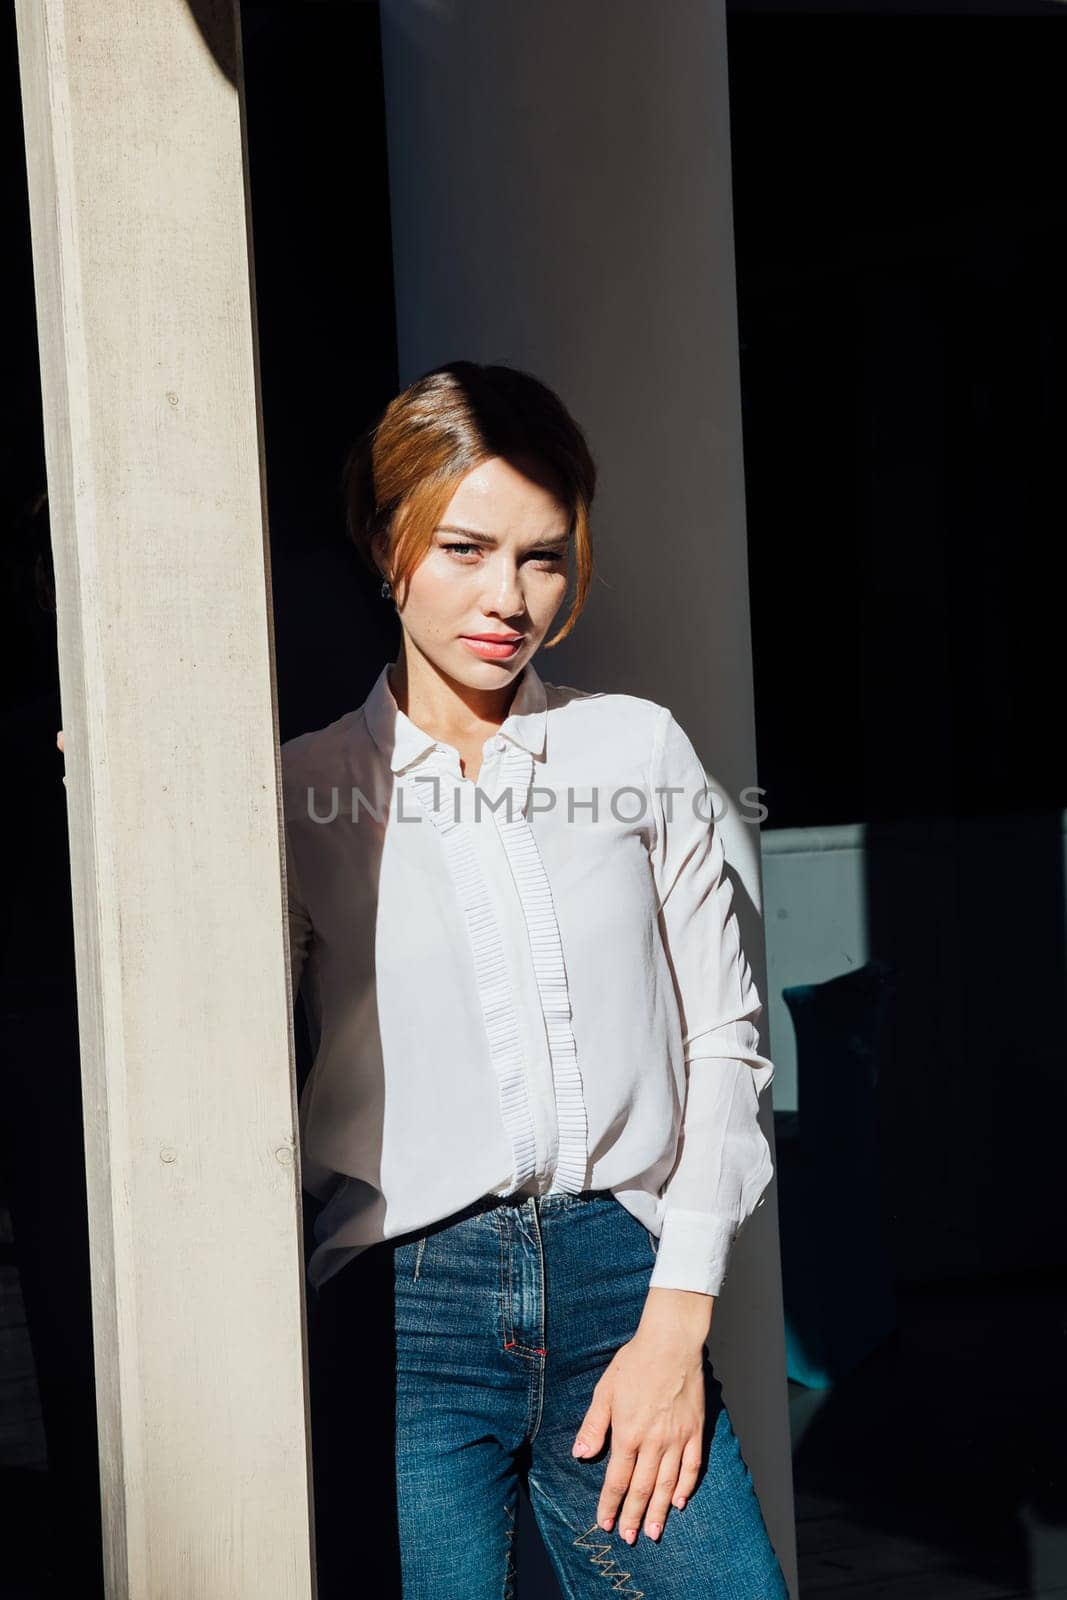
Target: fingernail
(680, 1502)
(606, 1522)
(580, 1448)
(654, 1530)
(630, 1535)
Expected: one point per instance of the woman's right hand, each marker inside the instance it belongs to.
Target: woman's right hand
(59, 746)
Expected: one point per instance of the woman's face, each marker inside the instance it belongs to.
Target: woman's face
(498, 565)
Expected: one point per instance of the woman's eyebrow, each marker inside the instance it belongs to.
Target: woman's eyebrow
(487, 538)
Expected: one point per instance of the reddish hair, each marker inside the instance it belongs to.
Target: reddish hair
(404, 469)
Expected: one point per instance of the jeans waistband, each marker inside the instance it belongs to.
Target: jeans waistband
(558, 1198)
(491, 1202)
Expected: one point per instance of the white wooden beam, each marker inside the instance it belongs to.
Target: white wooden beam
(145, 315)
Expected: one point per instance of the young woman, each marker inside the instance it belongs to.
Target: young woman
(531, 1121)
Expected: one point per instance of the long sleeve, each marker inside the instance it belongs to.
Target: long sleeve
(724, 1163)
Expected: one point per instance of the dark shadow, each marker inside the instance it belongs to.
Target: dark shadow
(901, 254)
(218, 22)
(49, 1475)
(352, 1333)
(327, 340)
(835, 1269)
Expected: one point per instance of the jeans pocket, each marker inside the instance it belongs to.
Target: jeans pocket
(653, 1241)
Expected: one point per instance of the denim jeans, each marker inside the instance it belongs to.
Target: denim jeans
(475, 1347)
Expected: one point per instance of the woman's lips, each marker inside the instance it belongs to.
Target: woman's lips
(491, 649)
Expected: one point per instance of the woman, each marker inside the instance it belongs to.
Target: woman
(532, 1116)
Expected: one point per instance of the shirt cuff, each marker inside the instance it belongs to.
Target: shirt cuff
(693, 1251)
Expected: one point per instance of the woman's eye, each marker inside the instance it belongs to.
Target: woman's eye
(546, 559)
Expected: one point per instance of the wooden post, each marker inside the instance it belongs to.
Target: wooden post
(145, 315)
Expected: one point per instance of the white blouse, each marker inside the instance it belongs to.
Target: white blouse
(530, 983)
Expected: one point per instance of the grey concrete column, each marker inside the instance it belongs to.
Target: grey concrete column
(133, 131)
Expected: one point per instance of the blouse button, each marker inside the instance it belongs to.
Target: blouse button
(499, 742)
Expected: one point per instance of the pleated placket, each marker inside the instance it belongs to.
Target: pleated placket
(494, 989)
(546, 945)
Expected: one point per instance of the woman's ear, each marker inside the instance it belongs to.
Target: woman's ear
(379, 549)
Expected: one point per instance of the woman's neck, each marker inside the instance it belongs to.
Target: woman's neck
(452, 712)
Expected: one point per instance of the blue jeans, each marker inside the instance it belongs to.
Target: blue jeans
(503, 1318)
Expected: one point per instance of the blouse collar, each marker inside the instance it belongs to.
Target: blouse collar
(403, 741)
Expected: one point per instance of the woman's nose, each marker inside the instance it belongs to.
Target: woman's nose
(503, 590)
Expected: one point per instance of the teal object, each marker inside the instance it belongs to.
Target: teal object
(837, 1284)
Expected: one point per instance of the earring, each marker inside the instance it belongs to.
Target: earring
(387, 589)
